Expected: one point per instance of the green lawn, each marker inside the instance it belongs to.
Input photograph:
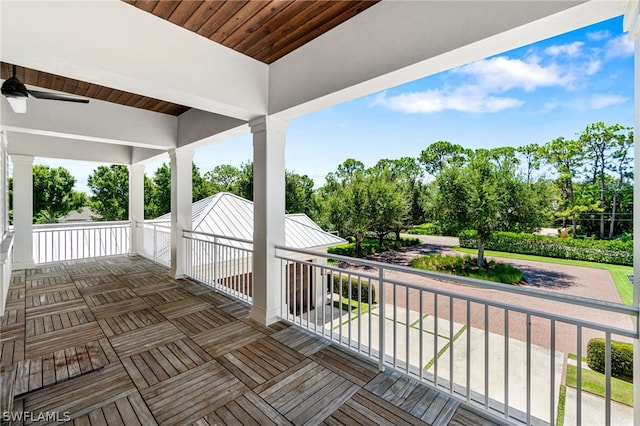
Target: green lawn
(594, 382)
(618, 272)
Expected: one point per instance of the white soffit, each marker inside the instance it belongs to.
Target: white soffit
(114, 44)
(67, 149)
(97, 121)
(395, 42)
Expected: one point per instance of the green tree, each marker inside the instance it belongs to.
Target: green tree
(408, 173)
(621, 166)
(53, 195)
(481, 185)
(599, 142)
(531, 156)
(162, 184)
(200, 186)
(299, 194)
(224, 178)
(386, 203)
(150, 207)
(567, 157)
(109, 186)
(442, 154)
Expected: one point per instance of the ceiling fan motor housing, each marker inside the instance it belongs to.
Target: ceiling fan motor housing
(14, 88)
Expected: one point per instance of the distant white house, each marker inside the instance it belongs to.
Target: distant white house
(228, 215)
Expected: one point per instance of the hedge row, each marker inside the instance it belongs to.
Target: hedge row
(341, 286)
(604, 251)
(621, 358)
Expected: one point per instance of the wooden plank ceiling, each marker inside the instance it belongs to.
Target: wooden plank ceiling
(49, 81)
(264, 30)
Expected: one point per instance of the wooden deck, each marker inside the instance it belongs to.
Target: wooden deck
(163, 351)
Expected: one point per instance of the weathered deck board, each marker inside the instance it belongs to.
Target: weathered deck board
(176, 352)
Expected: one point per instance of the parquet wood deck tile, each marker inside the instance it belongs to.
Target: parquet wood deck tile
(226, 338)
(112, 296)
(67, 337)
(203, 320)
(129, 321)
(303, 342)
(142, 339)
(42, 324)
(163, 362)
(248, 409)
(177, 352)
(182, 307)
(56, 367)
(171, 402)
(349, 366)
(260, 361)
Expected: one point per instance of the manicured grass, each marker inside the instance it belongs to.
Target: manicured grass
(351, 305)
(466, 266)
(594, 382)
(561, 403)
(618, 272)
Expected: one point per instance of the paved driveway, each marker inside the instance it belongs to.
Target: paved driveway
(562, 279)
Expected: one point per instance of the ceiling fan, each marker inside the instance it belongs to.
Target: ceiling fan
(17, 93)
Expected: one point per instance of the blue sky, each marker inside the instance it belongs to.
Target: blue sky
(529, 95)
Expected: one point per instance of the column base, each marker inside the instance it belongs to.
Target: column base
(265, 318)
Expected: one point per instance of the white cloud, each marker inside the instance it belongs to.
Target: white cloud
(593, 67)
(571, 49)
(503, 73)
(619, 47)
(603, 101)
(463, 99)
(598, 35)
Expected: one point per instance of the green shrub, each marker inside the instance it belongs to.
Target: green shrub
(423, 229)
(371, 246)
(341, 286)
(621, 358)
(466, 266)
(618, 251)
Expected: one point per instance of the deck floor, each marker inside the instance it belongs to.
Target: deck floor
(178, 353)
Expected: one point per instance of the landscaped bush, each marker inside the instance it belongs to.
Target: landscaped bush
(424, 229)
(370, 246)
(621, 358)
(466, 266)
(618, 252)
(341, 286)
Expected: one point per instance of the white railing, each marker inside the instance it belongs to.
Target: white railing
(156, 238)
(221, 262)
(58, 242)
(501, 348)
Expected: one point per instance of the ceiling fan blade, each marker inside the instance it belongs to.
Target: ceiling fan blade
(56, 97)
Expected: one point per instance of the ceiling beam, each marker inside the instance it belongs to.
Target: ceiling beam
(395, 42)
(117, 45)
(97, 121)
(67, 149)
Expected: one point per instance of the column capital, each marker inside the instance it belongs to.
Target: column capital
(180, 153)
(22, 159)
(632, 20)
(137, 166)
(268, 122)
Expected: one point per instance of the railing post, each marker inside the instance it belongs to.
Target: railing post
(155, 243)
(381, 310)
(215, 262)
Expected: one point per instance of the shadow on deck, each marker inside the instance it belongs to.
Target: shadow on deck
(175, 352)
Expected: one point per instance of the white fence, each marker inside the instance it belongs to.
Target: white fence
(221, 262)
(156, 242)
(501, 348)
(58, 242)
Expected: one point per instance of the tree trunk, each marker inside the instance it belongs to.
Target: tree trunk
(602, 203)
(480, 252)
(380, 240)
(574, 224)
(397, 235)
(358, 245)
(613, 214)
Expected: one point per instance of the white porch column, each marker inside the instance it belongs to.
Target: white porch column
(268, 215)
(136, 207)
(181, 189)
(632, 25)
(23, 209)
